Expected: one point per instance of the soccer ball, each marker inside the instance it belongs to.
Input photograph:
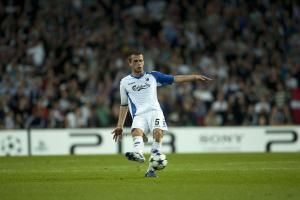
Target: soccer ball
(158, 161)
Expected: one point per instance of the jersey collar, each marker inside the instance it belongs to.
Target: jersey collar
(138, 76)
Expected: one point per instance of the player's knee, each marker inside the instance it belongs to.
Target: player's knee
(158, 134)
(136, 132)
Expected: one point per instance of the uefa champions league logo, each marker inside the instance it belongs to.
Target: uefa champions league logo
(11, 146)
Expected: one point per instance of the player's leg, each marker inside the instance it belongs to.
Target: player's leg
(139, 125)
(157, 141)
(138, 143)
(138, 146)
(156, 148)
(158, 125)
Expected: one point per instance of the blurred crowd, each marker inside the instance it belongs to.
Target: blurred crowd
(61, 61)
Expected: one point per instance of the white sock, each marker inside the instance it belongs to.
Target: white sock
(156, 147)
(138, 144)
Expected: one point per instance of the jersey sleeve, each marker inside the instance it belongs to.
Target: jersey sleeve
(162, 79)
(123, 94)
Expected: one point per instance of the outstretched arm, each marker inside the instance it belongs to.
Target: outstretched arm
(187, 78)
(118, 131)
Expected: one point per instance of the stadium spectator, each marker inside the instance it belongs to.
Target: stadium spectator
(58, 57)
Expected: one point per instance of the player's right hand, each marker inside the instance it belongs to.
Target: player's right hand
(117, 132)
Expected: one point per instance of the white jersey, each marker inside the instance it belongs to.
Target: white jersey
(140, 93)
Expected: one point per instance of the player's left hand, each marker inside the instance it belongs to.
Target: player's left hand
(117, 132)
(203, 78)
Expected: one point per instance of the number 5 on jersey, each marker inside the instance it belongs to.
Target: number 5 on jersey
(157, 122)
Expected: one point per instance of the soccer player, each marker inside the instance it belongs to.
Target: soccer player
(138, 91)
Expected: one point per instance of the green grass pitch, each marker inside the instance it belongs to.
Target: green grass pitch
(187, 176)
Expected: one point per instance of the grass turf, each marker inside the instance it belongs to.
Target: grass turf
(188, 176)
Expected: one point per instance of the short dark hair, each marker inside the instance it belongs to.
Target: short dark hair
(133, 52)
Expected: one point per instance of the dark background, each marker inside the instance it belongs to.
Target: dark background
(61, 61)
